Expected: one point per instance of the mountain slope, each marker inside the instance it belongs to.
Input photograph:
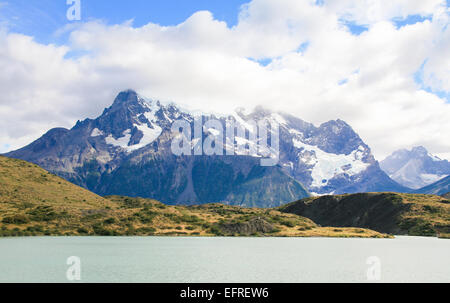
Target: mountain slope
(34, 202)
(416, 168)
(192, 180)
(440, 187)
(420, 215)
(127, 151)
(330, 158)
(26, 183)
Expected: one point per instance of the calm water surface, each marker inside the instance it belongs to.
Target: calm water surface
(190, 260)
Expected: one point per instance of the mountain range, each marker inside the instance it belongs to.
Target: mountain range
(415, 168)
(127, 151)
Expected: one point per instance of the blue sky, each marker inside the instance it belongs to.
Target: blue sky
(42, 18)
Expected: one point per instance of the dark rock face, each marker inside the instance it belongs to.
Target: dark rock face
(254, 226)
(192, 180)
(415, 168)
(127, 151)
(379, 212)
(446, 196)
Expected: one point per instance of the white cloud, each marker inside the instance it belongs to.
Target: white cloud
(367, 80)
(371, 11)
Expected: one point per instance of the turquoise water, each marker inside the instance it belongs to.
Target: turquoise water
(190, 260)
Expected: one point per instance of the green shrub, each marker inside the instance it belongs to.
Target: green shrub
(132, 203)
(83, 231)
(35, 228)
(110, 221)
(417, 227)
(147, 230)
(431, 209)
(17, 219)
(43, 214)
(145, 217)
(425, 229)
(287, 223)
(101, 231)
(215, 230)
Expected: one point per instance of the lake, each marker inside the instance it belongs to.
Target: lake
(191, 260)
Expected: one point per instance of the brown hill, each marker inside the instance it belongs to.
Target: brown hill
(400, 214)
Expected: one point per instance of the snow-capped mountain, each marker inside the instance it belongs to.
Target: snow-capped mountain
(415, 168)
(127, 151)
(329, 159)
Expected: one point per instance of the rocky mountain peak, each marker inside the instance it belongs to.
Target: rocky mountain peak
(419, 151)
(415, 168)
(131, 139)
(130, 101)
(127, 96)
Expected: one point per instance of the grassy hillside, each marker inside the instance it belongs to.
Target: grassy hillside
(25, 186)
(411, 214)
(35, 202)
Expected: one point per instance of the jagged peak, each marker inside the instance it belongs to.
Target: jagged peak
(419, 150)
(337, 122)
(338, 126)
(126, 97)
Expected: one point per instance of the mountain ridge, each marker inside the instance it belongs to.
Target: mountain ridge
(129, 146)
(440, 187)
(415, 168)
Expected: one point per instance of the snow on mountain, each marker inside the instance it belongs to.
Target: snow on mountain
(330, 158)
(415, 168)
(144, 124)
(326, 166)
(127, 150)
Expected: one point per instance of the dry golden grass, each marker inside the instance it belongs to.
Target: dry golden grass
(35, 202)
(434, 210)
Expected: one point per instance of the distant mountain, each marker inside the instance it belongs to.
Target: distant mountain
(440, 187)
(415, 168)
(127, 151)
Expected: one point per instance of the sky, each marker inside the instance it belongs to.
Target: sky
(383, 67)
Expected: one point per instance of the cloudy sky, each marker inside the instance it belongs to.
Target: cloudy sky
(382, 66)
